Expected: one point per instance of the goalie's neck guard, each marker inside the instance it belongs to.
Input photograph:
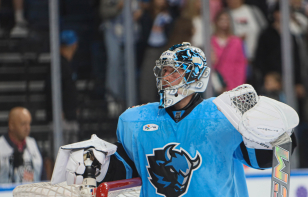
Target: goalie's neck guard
(194, 73)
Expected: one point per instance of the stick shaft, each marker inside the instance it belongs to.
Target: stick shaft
(281, 170)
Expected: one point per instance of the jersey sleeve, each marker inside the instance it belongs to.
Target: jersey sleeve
(257, 158)
(121, 166)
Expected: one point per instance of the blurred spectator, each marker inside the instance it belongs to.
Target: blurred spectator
(305, 7)
(273, 87)
(298, 23)
(263, 5)
(112, 14)
(215, 7)
(299, 27)
(228, 57)
(20, 158)
(193, 11)
(181, 32)
(175, 8)
(298, 6)
(268, 53)
(69, 44)
(155, 28)
(248, 21)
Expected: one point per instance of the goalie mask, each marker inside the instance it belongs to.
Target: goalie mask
(188, 64)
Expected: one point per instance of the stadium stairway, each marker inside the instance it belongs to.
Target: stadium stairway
(24, 66)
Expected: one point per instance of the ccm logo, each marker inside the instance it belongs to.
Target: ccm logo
(150, 127)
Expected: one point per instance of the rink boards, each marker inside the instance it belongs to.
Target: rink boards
(258, 182)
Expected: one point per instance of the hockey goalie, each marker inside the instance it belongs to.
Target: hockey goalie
(185, 145)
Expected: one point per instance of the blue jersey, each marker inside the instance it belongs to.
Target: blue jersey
(197, 156)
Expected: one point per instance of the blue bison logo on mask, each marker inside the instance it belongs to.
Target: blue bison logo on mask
(171, 170)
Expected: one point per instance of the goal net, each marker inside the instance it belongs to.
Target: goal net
(121, 188)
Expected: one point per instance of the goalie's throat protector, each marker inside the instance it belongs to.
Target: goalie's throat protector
(189, 65)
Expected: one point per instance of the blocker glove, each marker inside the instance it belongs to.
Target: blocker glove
(70, 160)
(263, 122)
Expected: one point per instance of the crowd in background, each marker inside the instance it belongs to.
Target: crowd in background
(245, 45)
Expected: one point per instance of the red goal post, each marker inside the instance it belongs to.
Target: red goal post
(123, 187)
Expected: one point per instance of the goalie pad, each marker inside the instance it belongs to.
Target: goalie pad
(259, 119)
(70, 160)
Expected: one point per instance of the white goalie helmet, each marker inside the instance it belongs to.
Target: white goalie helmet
(194, 78)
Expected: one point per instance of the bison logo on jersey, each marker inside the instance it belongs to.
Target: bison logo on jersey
(171, 170)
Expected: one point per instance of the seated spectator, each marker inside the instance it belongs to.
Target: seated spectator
(228, 57)
(273, 87)
(20, 158)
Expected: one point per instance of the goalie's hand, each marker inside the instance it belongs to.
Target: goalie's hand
(70, 160)
(259, 119)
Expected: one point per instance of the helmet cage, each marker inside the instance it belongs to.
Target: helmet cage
(162, 83)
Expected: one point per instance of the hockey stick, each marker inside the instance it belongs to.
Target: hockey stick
(281, 168)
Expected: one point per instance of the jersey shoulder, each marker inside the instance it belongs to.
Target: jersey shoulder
(208, 107)
(141, 112)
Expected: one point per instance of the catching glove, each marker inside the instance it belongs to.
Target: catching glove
(263, 122)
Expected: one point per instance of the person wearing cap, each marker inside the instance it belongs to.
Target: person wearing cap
(68, 47)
